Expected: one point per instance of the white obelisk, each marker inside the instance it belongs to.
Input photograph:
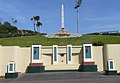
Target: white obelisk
(62, 17)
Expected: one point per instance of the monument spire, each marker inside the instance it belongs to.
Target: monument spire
(63, 33)
(62, 17)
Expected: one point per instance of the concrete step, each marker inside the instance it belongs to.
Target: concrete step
(62, 67)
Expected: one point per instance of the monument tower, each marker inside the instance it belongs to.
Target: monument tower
(62, 33)
(62, 17)
(62, 21)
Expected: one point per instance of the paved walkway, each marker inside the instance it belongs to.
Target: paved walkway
(64, 77)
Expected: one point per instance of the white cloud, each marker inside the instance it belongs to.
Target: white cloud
(112, 18)
(106, 27)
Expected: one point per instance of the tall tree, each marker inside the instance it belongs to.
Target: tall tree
(36, 23)
(14, 21)
(37, 18)
(33, 19)
(38, 26)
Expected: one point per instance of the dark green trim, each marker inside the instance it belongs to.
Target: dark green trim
(61, 70)
(11, 75)
(35, 69)
(107, 72)
(88, 68)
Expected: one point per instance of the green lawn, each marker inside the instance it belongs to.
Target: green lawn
(29, 40)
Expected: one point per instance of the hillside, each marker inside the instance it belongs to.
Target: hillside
(27, 41)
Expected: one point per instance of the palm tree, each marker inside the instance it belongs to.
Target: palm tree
(36, 22)
(37, 18)
(38, 26)
(32, 19)
(14, 21)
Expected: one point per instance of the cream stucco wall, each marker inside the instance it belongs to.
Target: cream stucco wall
(98, 57)
(47, 59)
(7, 54)
(25, 59)
(112, 51)
(22, 57)
(1, 62)
(47, 55)
(77, 54)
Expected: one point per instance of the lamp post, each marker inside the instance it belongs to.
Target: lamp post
(78, 3)
(78, 20)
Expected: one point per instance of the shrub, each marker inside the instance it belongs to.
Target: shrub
(98, 43)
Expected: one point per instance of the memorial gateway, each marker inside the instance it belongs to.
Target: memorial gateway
(37, 59)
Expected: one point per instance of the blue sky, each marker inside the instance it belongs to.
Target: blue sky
(95, 15)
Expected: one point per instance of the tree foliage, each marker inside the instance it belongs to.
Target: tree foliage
(36, 23)
(7, 28)
(14, 21)
(98, 43)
